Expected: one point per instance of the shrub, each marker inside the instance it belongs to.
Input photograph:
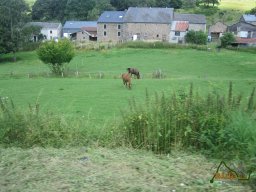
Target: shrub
(55, 54)
(227, 39)
(196, 37)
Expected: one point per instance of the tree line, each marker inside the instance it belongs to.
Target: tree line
(61, 10)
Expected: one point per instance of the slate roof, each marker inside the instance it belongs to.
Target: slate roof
(75, 26)
(249, 18)
(44, 24)
(181, 26)
(242, 27)
(191, 18)
(111, 17)
(148, 15)
(218, 27)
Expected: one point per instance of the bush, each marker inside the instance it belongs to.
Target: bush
(196, 37)
(55, 54)
(227, 39)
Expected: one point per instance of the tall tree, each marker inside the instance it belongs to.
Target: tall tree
(48, 10)
(13, 16)
(169, 3)
(79, 10)
(101, 5)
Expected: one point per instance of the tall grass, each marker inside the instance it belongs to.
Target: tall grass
(29, 128)
(159, 45)
(216, 125)
(186, 119)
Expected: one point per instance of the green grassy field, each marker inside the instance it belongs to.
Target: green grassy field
(237, 4)
(101, 99)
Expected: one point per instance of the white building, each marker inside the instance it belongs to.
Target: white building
(48, 30)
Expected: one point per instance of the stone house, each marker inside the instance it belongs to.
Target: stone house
(217, 30)
(49, 30)
(178, 31)
(182, 23)
(110, 26)
(147, 24)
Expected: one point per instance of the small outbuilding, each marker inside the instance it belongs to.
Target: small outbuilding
(217, 30)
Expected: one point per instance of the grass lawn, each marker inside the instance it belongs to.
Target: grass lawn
(101, 169)
(101, 99)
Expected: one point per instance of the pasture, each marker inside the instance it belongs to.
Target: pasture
(87, 95)
(237, 4)
(95, 100)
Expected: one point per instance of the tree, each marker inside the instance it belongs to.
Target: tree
(252, 11)
(101, 5)
(227, 39)
(56, 54)
(196, 37)
(13, 16)
(46, 10)
(29, 31)
(79, 10)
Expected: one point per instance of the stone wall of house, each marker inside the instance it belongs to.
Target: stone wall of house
(197, 27)
(82, 36)
(178, 37)
(109, 32)
(142, 31)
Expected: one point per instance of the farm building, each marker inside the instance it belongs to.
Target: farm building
(248, 19)
(48, 30)
(71, 27)
(244, 42)
(182, 23)
(217, 30)
(178, 31)
(85, 34)
(243, 30)
(147, 24)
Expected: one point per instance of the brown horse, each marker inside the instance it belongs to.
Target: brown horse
(127, 80)
(134, 71)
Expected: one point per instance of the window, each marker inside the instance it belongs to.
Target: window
(50, 32)
(157, 35)
(119, 26)
(105, 26)
(105, 33)
(177, 33)
(119, 34)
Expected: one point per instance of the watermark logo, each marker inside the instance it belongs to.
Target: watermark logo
(227, 173)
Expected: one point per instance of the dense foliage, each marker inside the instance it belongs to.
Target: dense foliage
(13, 16)
(227, 39)
(252, 11)
(196, 37)
(56, 54)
